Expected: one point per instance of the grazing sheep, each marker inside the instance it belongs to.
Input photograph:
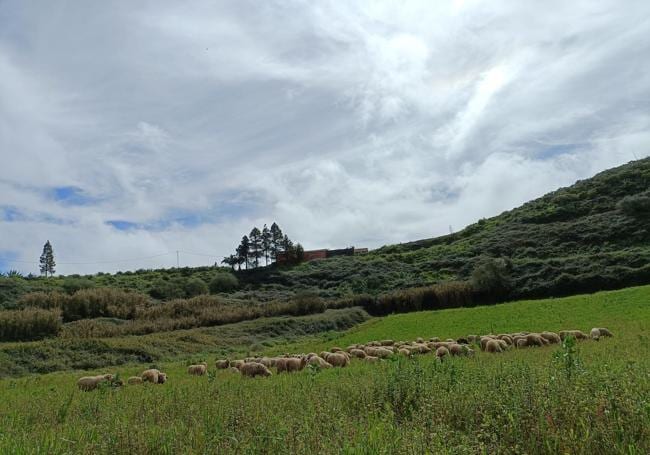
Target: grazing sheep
(521, 342)
(233, 369)
(198, 370)
(457, 350)
(493, 346)
(506, 338)
(222, 364)
(337, 359)
(534, 339)
(473, 339)
(151, 375)
(162, 378)
(551, 337)
(405, 352)
(503, 344)
(253, 369)
(88, 383)
(419, 340)
(335, 349)
(324, 354)
(462, 340)
(597, 332)
(380, 352)
(358, 353)
(484, 341)
(434, 339)
(605, 332)
(371, 359)
(441, 352)
(577, 334)
(319, 362)
(268, 362)
(134, 380)
(291, 364)
(387, 342)
(237, 363)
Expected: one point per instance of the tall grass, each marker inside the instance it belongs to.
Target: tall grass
(31, 324)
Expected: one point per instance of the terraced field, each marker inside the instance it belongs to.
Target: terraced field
(592, 398)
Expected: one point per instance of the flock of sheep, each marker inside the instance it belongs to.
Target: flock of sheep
(373, 351)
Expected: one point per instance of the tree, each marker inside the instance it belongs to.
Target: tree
(47, 260)
(267, 240)
(243, 251)
(255, 238)
(276, 240)
(492, 276)
(287, 244)
(223, 282)
(231, 260)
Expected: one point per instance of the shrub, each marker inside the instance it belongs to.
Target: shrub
(195, 286)
(306, 303)
(168, 289)
(223, 282)
(29, 324)
(72, 285)
(636, 205)
(492, 276)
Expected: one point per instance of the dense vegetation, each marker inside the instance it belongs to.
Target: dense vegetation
(591, 398)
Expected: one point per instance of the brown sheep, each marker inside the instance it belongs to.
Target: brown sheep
(134, 380)
(237, 363)
(457, 350)
(534, 339)
(441, 352)
(382, 353)
(521, 342)
(371, 359)
(597, 332)
(577, 334)
(88, 383)
(319, 362)
(291, 364)
(419, 340)
(484, 341)
(358, 353)
(198, 370)
(551, 337)
(493, 346)
(335, 349)
(268, 362)
(404, 351)
(337, 359)
(387, 342)
(151, 375)
(253, 369)
(222, 364)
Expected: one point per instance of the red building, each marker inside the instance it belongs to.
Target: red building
(312, 255)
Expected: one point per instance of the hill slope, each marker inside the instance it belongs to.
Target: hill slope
(590, 236)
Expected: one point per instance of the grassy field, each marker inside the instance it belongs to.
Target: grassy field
(594, 399)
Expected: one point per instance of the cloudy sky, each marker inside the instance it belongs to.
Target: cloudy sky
(130, 130)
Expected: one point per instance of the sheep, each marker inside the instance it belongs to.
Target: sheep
(134, 380)
(434, 339)
(222, 364)
(387, 342)
(198, 370)
(88, 383)
(358, 353)
(268, 362)
(473, 339)
(506, 338)
(577, 334)
(237, 363)
(405, 352)
(252, 369)
(319, 362)
(233, 369)
(503, 344)
(335, 349)
(441, 352)
(154, 376)
(462, 340)
(371, 359)
(337, 359)
(456, 349)
(291, 364)
(521, 342)
(419, 340)
(324, 354)
(380, 352)
(493, 346)
(597, 332)
(534, 339)
(551, 337)
(484, 341)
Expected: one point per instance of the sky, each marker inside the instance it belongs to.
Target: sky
(132, 130)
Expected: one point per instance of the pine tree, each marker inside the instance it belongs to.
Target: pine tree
(243, 252)
(276, 241)
(231, 260)
(267, 239)
(255, 238)
(47, 260)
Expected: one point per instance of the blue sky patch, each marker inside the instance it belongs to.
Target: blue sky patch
(71, 195)
(122, 225)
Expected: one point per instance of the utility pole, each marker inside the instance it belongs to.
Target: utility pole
(178, 262)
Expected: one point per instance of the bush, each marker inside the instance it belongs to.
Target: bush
(636, 205)
(306, 303)
(72, 285)
(29, 324)
(174, 288)
(492, 276)
(223, 282)
(195, 286)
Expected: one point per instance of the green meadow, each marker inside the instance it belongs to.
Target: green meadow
(591, 397)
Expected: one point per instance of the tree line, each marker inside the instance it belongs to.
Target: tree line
(267, 244)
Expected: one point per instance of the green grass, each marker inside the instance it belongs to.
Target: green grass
(524, 401)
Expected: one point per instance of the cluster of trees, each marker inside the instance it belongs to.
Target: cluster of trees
(267, 244)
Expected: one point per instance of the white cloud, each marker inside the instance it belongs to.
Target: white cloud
(348, 123)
